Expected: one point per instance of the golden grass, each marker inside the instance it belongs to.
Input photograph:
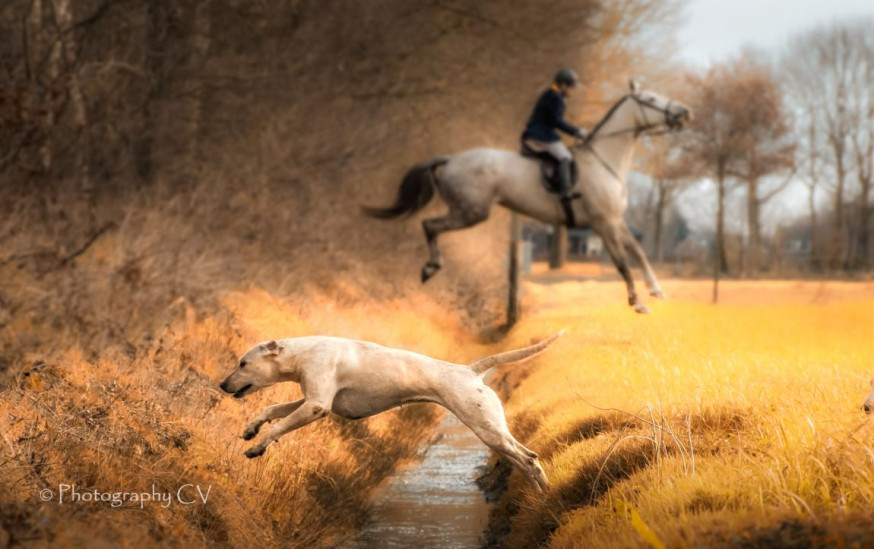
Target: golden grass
(151, 414)
(732, 425)
(113, 348)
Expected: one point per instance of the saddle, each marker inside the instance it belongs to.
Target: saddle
(548, 168)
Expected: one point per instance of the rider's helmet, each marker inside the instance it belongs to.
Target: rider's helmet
(567, 77)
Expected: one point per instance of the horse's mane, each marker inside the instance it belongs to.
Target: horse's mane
(606, 117)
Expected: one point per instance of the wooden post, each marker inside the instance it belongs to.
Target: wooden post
(720, 236)
(514, 272)
(558, 247)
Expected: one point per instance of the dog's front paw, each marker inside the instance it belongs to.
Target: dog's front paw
(254, 451)
(251, 431)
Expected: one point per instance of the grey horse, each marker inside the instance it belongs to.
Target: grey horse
(472, 181)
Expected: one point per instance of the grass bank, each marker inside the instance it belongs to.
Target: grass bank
(735, 425)
(147, 416)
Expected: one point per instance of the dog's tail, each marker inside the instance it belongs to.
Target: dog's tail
(484, 364)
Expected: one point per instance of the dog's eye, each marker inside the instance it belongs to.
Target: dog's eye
(243, 364)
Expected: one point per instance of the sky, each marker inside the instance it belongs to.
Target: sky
(717, 29)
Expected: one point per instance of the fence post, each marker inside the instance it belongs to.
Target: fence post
(514, 272)
(558, 247)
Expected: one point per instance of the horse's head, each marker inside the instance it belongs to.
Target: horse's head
(656, 111)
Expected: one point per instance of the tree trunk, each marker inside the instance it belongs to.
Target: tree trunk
(193, 105)
(36, 43)
(156, 38)
(814, 260)
(837, 255)
(64, 18)
(753, 263)
(862, 254)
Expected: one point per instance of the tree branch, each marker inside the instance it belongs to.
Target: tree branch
(779, 188)
(84, 247)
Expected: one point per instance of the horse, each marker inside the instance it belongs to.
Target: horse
(471, 181)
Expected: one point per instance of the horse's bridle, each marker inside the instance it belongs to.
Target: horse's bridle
(672, 121)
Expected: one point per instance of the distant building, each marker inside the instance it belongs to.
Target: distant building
(692, 249)
(583, 244)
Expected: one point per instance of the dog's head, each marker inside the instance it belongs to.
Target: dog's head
(868, 405)
(258, 368)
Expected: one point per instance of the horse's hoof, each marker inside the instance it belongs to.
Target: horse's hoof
(429, 270)
(641, 309)
(658, 293)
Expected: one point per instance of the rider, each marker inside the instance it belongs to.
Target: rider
(548, 115)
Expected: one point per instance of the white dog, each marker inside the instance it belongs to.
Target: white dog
(358, 379)
(868, 405)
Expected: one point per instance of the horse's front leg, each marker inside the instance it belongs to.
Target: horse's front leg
(634, 248)
(615, 245)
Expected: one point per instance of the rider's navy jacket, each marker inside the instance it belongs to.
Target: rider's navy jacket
(548, 116)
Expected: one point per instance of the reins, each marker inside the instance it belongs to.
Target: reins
(637, 130)
(603, 162)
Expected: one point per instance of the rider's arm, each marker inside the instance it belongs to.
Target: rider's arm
(557, 112)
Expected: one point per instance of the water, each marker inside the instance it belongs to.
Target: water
(433, 504)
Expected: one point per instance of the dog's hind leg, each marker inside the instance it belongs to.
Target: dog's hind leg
(521, 457)
(269, 414)
(484, 414)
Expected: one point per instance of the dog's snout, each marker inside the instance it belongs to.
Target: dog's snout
(868, 408)
(224, 386)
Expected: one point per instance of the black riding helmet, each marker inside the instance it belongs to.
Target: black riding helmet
(567, 76)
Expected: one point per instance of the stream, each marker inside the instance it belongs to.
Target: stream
(434, 503)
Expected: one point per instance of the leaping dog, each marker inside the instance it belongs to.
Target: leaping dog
(359, 379)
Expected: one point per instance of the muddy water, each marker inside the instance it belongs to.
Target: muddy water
(433, 504)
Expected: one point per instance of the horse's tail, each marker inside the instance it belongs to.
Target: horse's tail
(416, 190)
(484, 364)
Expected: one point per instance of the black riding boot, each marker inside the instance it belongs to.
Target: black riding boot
(564, 189)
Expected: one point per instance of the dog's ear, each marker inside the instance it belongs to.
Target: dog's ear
(272, 348)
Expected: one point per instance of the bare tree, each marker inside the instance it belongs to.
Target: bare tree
(663, 160)
(862, 101)
(808, 153)
(826, 70)
(766, 145)
(717, 140)
(863, 149)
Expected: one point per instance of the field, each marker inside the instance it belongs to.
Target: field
(737, 425)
